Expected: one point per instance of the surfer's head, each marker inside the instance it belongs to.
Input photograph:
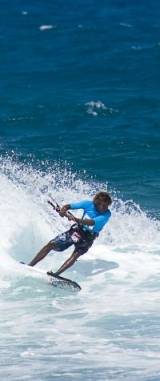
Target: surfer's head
(102, 200)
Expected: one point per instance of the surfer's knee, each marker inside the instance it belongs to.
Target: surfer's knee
(51, 245)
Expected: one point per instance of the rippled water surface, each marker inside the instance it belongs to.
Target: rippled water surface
(79, 112)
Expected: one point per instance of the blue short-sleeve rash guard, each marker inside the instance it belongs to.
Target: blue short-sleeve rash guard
(90, 211)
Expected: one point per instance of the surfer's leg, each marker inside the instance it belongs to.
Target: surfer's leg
(42, 253)
(59, 243)
(68, 263)
(81, 247)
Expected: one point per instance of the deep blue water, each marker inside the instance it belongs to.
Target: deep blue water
(107, 52)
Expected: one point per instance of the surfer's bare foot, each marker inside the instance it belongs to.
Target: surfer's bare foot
(50, 273)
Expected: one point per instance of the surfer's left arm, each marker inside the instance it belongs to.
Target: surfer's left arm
(98, 222)
(86, 221)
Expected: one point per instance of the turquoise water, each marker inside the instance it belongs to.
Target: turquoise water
(80, 112)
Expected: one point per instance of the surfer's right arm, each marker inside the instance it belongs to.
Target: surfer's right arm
(71, 217)
(76, 205)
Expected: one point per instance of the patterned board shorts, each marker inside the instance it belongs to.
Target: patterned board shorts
(74, 236)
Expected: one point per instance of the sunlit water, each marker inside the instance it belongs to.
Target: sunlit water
(108, 330)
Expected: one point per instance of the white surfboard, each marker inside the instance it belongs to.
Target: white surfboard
(55, 281)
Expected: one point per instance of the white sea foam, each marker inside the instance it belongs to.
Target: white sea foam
(112, 323)
(97, 107)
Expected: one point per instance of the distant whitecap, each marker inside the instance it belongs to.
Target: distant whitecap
(95, 108)
(24, 13)
(136, 47)
(126, 25)
(46, 27)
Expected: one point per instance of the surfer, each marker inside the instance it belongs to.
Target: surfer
(82, 234)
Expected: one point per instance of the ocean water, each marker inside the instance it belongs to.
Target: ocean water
(79, 112)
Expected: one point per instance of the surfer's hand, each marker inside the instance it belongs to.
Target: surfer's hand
(70, 217)
(63, 210)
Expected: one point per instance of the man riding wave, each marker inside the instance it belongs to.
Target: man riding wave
(84, 231)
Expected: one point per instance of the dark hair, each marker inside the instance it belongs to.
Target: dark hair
(104, 196)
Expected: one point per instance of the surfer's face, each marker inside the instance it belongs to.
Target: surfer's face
(101, 205)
